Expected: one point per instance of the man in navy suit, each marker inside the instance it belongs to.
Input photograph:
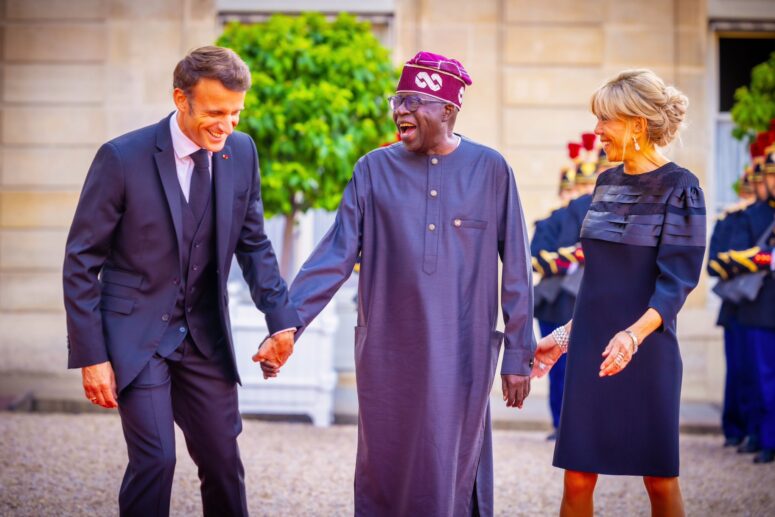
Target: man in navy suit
(162, 212)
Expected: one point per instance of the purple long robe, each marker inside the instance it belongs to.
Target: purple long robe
(429, 230)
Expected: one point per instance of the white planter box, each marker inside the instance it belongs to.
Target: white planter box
(306, 383)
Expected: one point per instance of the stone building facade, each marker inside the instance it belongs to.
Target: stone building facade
(75, 73)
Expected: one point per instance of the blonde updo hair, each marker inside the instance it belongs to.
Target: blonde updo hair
(641, 93)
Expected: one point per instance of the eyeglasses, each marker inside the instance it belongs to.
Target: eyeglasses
(410, 102)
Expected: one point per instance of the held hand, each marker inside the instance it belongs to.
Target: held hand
(515, 389)
(269, 369)
(99, 385)
(274, 352)
(547, 353)
(618, 354)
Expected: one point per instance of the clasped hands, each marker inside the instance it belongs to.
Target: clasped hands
(274, 351)
(617, 355)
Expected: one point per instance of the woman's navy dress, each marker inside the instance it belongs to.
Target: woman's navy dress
(643, 241)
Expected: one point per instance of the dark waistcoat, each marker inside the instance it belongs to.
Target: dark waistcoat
(196, 306)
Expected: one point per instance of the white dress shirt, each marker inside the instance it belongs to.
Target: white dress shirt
(184, 147)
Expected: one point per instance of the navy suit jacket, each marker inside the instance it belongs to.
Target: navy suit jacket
(123, 264)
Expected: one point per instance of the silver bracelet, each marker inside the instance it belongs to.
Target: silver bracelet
(634, 338)
(561, 337)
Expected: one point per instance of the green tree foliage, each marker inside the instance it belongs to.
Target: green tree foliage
(755, 104)
(317, 103)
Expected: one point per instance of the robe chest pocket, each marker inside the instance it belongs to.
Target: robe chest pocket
(120, 277)
(459, 222)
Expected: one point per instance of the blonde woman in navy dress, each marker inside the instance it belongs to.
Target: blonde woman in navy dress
(643, 241)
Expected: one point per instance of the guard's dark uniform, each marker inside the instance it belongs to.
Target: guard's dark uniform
(758, 321)
(733, 421)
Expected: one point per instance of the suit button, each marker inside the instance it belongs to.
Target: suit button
(176, 281)
(182, 330)
(165, 317)
(458, 222)
(195, 268)
(189, 309)
(431, 227)
(434, 193)
(196, 244)
(434, 161)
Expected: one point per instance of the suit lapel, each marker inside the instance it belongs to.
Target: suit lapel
(224, 196)
(165, 164)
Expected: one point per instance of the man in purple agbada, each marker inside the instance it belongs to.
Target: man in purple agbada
(430, 215)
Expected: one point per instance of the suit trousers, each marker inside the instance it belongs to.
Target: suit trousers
(200, 396)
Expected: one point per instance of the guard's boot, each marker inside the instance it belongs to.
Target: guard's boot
(765, 456)
(750, 445)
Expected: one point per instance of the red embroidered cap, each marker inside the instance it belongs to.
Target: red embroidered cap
(436, 76)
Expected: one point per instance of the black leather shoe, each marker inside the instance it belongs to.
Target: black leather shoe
(750, 446)
(733, 442)
(765, 456)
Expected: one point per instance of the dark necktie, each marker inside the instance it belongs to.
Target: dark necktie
(199, 194)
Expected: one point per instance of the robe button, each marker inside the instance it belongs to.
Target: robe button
(434, 193)
(431, 227)
(165, 317)
(434, 161)
(458, 222)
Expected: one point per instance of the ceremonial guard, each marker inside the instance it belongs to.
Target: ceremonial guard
(748, 269)
(733, 422)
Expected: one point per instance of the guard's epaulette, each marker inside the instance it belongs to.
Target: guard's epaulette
(551, 213)
(737, 207)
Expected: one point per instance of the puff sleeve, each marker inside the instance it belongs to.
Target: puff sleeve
(680, 251)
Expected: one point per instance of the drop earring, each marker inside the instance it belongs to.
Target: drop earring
(636, 144)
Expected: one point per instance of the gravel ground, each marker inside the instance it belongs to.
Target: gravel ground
(56, 464)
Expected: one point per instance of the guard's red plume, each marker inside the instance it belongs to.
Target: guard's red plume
(574, 149)
(588, 139)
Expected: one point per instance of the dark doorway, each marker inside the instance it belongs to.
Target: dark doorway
(737, 56)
